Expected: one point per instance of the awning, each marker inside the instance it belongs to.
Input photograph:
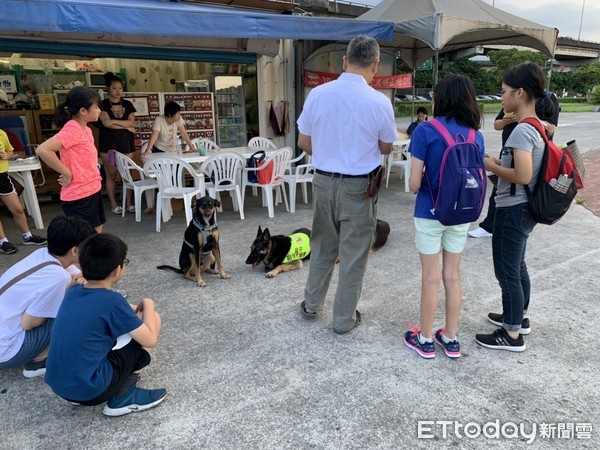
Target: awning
(170, 25)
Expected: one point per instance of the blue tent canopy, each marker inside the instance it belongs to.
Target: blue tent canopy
(175, 25)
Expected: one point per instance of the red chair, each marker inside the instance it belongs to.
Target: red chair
(16, 143)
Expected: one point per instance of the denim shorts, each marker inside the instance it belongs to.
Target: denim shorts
(431, 236)
(36, 341)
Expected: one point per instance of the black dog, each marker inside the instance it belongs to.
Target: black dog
(277, 252)
(380, 237)
(200, 249)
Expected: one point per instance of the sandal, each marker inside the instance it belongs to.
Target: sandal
(131, 209)
(117, 210)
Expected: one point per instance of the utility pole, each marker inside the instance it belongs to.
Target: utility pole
(581, 21)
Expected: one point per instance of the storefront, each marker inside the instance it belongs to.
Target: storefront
(157, 45)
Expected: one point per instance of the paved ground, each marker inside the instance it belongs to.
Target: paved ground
(244, 370)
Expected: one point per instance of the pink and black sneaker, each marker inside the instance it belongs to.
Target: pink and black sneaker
(452, 348)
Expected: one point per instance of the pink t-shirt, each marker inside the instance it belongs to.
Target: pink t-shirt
(79, 154)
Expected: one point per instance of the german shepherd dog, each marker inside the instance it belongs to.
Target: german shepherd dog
(273, 250)
(200, 250)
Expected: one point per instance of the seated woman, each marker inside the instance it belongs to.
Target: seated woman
(421, 117)
(164, 131)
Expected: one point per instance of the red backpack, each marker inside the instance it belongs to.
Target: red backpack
(557, 181)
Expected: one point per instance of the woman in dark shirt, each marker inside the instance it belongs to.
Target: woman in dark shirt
(116, 133)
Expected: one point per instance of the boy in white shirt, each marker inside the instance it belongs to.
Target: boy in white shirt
(31, 292)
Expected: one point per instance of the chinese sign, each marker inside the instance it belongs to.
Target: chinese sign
(313, 79)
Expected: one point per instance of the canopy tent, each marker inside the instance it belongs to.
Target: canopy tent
(62, 26)
(423, 28)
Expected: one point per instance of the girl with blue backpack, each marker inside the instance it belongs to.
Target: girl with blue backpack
(519, 165)
(447, 168)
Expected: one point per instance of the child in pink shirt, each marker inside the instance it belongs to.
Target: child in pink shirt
(80, 178)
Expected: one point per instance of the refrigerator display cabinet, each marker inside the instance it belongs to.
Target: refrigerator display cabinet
(230, 110)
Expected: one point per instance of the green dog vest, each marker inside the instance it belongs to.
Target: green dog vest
(299, 249)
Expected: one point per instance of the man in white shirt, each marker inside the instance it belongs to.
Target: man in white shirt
(346, 126)
(31, 293)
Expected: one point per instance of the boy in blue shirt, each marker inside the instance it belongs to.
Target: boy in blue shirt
(99, 343)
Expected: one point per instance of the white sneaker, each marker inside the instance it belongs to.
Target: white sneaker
(479, 233)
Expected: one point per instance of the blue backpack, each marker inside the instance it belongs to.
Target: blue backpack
(462, 183)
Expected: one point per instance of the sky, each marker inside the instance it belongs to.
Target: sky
(562, 14)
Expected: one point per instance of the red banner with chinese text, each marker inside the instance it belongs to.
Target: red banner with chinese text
(313, 79)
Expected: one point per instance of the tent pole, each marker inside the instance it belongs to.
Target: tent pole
(436, 61)
(414, 92)
(550, 72)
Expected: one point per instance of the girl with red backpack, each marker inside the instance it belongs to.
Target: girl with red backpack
(519, 165)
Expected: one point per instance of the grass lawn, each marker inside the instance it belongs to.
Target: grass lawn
(494, 108)
(564, 107)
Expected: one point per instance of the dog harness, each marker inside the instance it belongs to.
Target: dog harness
(204, 232)
(299, 249)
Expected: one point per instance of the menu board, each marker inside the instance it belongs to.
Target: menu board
(196, 109)
(148, 107)
(198, 112)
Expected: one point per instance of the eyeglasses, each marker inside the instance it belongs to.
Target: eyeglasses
(125, 262)
(510, 90)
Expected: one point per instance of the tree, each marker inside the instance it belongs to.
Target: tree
(505, 59)
(481, 78)
(586, 77)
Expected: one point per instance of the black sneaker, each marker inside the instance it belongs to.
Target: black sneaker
(8, 249)
(501, 340)
(34, 369)
(34, 240)
(496, 319)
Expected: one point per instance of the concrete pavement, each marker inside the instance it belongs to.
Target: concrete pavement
(244, 370)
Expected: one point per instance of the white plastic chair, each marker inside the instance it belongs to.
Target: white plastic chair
(224, 170)
(125, 165)
(170, 175)
(280, 159)
(208, 144)
(299, 174)
(297, 160)
(262, 142)
(399, 157)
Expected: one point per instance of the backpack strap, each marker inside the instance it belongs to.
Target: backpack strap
(535, 123)
(25, 274)
(540, 129)
(442, 131)
(445, 134)
(538, 126)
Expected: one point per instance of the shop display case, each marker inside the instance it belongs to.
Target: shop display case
(45, 127)
(230, 109)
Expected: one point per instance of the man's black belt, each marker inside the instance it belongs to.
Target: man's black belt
(339, 175)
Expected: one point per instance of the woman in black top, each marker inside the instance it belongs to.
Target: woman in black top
(116, 133)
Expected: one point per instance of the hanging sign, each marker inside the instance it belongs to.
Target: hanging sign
(8, 84)
(313, 79)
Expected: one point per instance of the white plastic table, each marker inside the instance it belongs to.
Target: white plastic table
(21, 169)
